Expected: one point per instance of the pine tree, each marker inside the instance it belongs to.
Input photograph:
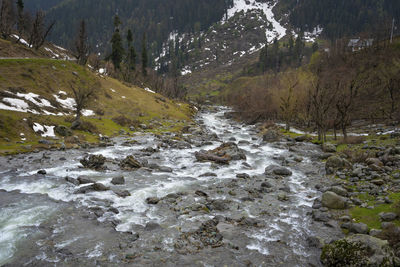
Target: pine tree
(144, 55)
(118, 52)
(131, 58)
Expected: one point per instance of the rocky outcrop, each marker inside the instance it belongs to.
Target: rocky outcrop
(358, 250)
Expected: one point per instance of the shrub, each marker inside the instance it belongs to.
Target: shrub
(122, 120)
(392, 233)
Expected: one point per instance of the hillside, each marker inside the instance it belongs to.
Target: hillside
(39, 90)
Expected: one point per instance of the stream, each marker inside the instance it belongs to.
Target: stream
(257, 220)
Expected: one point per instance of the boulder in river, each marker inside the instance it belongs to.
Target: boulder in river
(90, 188)
(278, 170)
(358, 250)
(118, 180)
(85, 180)
(121, 193)
(95, 162)
(130, 163)
(223, 154)
(333, 201)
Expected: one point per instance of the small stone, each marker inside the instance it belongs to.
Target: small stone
(243, 176)
(42, 172)
(152, 200)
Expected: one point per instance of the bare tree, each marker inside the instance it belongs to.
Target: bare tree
(83, 95)
(39, 31)
(288, 99)
(7, 18)
(82, 47)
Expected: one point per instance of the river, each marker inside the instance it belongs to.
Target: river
(261, 220)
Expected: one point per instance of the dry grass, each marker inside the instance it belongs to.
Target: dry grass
(352, 140)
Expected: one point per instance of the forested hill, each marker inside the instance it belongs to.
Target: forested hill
(154, 17)
(341, 18)
(41, 4)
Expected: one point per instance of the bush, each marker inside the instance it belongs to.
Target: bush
(87, 126)
(392, 233)
(122, 120)
(344, 253)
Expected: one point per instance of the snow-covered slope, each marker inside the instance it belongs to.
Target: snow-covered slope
(277, 31)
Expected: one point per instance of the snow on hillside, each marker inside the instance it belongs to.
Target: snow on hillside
(278, 30)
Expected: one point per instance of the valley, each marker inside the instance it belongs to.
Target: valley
(199, 133)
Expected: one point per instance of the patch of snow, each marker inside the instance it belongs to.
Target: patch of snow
(148, 90)
(61, 48)
(88, 113)
(55, 55)
(123, 97)
(35, 99)
(62, 93)
(18, 103)
(186, 70)
(278, 30)
(102, 71)
(47, 131)
(22, 41)
(68, 103)
(311, 36)
(112, 90)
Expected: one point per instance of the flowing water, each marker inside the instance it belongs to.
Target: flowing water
(42, 221)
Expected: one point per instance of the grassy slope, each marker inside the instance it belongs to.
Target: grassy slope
(46, 77)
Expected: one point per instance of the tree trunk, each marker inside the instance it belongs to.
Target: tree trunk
(287, 126)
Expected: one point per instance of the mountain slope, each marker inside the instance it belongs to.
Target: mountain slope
(35, 96)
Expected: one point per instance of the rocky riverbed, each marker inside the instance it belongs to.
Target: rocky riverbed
(215, 195)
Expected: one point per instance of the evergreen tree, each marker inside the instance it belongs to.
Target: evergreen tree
(131, 58)
(144, 55)
(117, 52)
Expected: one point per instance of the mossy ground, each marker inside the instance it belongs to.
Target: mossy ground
(47, 77)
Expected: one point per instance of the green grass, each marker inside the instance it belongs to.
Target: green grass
(371, 216)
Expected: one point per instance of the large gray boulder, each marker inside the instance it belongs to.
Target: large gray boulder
(278, 170)
(333, 201)
(358, 250)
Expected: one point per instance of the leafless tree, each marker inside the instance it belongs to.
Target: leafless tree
(7, 18)
(83, 95)
(39, 31)
(81, 44)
